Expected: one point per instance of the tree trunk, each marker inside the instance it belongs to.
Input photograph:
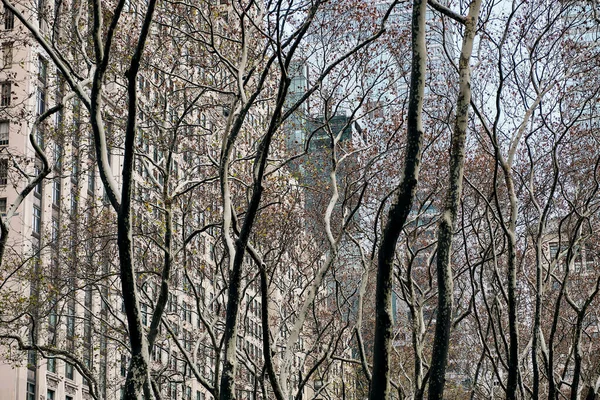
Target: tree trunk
(513, 355)
(537, 319)
(578, 356)
(591, 394)
(441, 342)
(380, 383)
(227, 384)
(137, 385)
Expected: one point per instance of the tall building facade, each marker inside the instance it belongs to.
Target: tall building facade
(62, 245)
(66, 290)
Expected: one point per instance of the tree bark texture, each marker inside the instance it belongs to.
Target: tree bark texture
(380, 384)
(441, 342)
(137, 385)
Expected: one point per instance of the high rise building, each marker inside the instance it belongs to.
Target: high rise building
(66, 289)
(64, 286)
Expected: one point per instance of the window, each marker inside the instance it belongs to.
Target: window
(141, 82)
(31, 359)
(3, 171)
(40, 11)
(76, 126)
(38, 188)
(9, 19)
(69, 371)
(91, 180)
(52, 320)
(56, 192)
(3, 205)
(4, 130)
(187, 340)
(57, 156)
(5, 93)
(41, 101)
(202, 292)
(71, 323)
(75, 170)
(39, 137)
(156, 353)
(173, 363)
(172, 303)
(51, 365)
(553, 250)
(73, 203)
(58, 116)
(54, 229)
(30, 391)
(43, 71)
(87, 357)
(144, 308)
(186, 312)
(103, 345)
(87, 331)
(7, 54)
(123, 365)
(35, 254)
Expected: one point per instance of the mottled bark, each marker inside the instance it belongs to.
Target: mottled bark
(577, 350)
(578, 356)
(513, 327)
(441, 342)
(266, 333)
(417, 340)
(137, 385)
(537, 319)
(591, 394)
(539, 267)
(553, 392)
(380, 388)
